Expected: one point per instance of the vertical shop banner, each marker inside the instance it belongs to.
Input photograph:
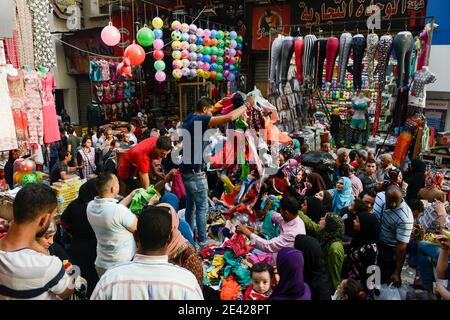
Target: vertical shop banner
(267, 24)
(355, 12)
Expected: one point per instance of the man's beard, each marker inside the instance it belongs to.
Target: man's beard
(44, 229)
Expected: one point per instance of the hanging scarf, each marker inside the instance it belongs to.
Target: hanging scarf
(344, 198)
(296, 144)
(434, 180)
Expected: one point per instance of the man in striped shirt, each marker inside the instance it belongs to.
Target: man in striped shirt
(396, 224)
(149, 276)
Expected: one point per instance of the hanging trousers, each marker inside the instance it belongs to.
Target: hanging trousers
(332, 53)
(403, 43)
(274, 62)
(320, 49)
(287, 50)
(372, 46)
(384, 54)
(344, 55)
(298, 49)
(308, 56)
(401, 107)
(359, 46)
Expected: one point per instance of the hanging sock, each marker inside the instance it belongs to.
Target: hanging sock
(344, 54)
(308, 57)
(359, 46)
(332, 52)
(298, 49)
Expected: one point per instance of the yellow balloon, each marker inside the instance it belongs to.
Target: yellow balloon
(207, 74)
(157, 23)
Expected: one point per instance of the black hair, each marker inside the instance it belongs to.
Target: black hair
(416, 204)
(33, 200)
(153, 228)
(204, 102)
(304, 148)
(70, 130)
(363, 154)
(371, 161)
(62, 154)
(113, 142)
(261, 267)
(352, 155)
(353, 290)
(345, 170)
(62, 130)
(164, 143)
(85, 139)
(163, 132)
(290, 204)
(366, 192)
(360, 206)
(102, 182)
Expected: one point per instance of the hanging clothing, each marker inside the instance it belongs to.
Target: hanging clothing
(287, 50)
(372, 46)
(402, 45)
(51, 128)
(275, 58)
(417, 94)
(12, 50)
(308, 57)
(33, 89)
(320, 51)
(384, 54)
(424, 41)
(19, 110)
(24, 27)
(358, 120)
(44, 50)
(344, 55)
(415, 178)
(359, 44)
(332, 53)
(8, 138)
(298, 49)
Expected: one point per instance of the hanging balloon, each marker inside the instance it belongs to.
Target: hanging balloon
(227, 35)
(220, 60)
(193, 47)
(193, 73)
(226, 73)
(227, 43)
(176, 25)
(238, 53)
(200, 72)
(239, 46)
(185, 72)
(185, 45)
(220, 43)
(238, 60)
(184, 36)
(158, 33)
(200, 33)
(135, 53)
(176, 35)
(232, 53)
(185, 54)
(185, 63)
(177, 74)
(232, 67)
(239, 39)
(233, 44)
(157, 23)
(158, 44)
(214, 50)
(176, 55)
(176, 45)
(213, 34)
(29, 178)
(220, 35)
(213, 75)
(158, 54)
(177, 64)
(145, 36)
(199, 41)
(207, 33)
(219, 76)
(219, 68)
(200, 65)
(213, 58)
(220, 52)
(214, 42)
(226, 66)
(193, 65)
(192, 39)
(200, 49)
(206, 58)
(214, 66)
(227, 52)
(206, 50)
(233, 35)
(193, 28)
(110, 35)
(160, 76)
(231, 77)
(159, 65)
(199, 57)
(184, 27)
(193, 56)
(207, 75)
(206, 42)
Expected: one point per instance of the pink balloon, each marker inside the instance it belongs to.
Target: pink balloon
(207, 33)
(184, 54)
(200, 65)
(206, 66)
(233, 60)
(233, 44)
(158, 44)
(110, 35)
(160, 76)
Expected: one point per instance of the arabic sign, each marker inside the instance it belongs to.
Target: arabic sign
(267, 23)
(353, 11)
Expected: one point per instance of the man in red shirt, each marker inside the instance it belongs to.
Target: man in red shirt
(136, 162)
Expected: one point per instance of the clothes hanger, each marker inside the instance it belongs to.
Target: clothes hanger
(42, 70)
(27, 68)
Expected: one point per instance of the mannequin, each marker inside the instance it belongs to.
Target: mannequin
(372, 46)
(308, 56)
(402, 45)
(344, 54)
(358, 123)
(359, 46)
(417, 94)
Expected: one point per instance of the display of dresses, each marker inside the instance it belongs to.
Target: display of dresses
(33, 89)
(8, 138)
(24, 27)
(50, 122)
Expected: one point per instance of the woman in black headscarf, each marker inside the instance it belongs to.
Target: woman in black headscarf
(364, 251)
(415, 178)
(83, 248)
(313, 208)
(315, 273)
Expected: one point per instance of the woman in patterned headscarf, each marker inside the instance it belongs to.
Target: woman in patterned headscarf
(432, 190)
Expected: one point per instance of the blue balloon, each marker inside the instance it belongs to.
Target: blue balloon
(239, 46)
(213, 34)
(199, 41)
(214, 66)
(199, 57)
(207, 58)
(233, 35)
(236, 71)
(232, 67)
(226, 66)
(158, 33)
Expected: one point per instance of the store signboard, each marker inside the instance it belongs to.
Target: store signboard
(437, 104)
(436, 119)
(267, 24)
(6, 19)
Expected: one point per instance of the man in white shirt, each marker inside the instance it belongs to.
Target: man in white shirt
(113, 224)
(385, 166)
(149, 276)
(26, 272)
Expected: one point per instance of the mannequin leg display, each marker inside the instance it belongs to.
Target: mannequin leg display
(401, 107)
(384, 49)
(308, 56)
(332, 52)
(359, 46)
(321, 51)
(372, 45)
(287, 50)
(344, 54)
(402, 45)
(274, 59)
(298, 49)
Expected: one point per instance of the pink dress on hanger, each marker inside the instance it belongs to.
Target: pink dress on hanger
(33, 90)
(51, 129)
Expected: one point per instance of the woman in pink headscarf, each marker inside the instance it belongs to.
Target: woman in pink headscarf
(432, 190)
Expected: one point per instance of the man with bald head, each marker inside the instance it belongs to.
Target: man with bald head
(385, 166)
(396, 224)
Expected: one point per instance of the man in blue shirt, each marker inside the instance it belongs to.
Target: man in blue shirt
(193, 166)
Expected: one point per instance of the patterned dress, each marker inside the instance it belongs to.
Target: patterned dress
(24, 27)
(33, 89)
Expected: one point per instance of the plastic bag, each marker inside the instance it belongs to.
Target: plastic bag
(142, 198)
(388, 292)
(319, 161)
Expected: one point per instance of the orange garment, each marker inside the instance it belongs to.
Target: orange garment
(274, 134)
(230, 289)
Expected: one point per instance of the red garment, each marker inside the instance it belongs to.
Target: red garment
(280, 185)
(51, 128)
(139, 158)
(138, 133)
(178, 188)
(332, 52)
(239, 245)
(208, 252)
(251, 294)
(12, 51)
(299, 45)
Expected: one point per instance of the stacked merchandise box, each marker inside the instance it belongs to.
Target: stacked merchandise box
(66, 192)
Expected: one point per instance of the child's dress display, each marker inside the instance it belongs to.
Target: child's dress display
(33, 89)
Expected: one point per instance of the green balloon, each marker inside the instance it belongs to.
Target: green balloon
(219, 76)
(227, 35)
(145, 36)
(220, 35)
(160, 65)
(214, 50)
(29, 178)
(206, 50)
(219, 68)
(239, 39)
(220, 60)
(39, 176)
(227, 43)
(221, 53)
(200, 49)
(221, 44)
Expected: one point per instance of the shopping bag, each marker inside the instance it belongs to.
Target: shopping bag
(142, 198)
(388, 292)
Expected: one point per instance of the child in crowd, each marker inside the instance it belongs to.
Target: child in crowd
(350, 289)
(262, 280)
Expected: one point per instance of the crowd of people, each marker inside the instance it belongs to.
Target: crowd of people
(327, 231)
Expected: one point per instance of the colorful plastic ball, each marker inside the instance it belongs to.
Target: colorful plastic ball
(28, 166)
(213, 75)
(17, 177)
(220, 43)
(158, 33)
(220, 52)
(206, 66)
(184, 36)
(227, 51)
(206, 42)
(226, 73)
(193, 73)
(192, 38)
(135, 53)
(207, 33)
(200, 48)
(219, 68)
(206, 58)
(192, 47)
(233, 35)
(159, 65)
(184, 27)
(193, 65)
(213, 58)
(157, 23)
(226, 66)
(193, 56)
(158, 44)
(145, 36)
(239, 39)
(214, 66)
(176, 55)
(177, 74)
(200, 33)
(238, 60)
(214, 42)
(199, 57)
(185, 63)
(238, 53)
(160, 76)
(200, 64)
(184, 45)
(176, 25)
(176, 35)
(231, 77)
(185, 72)
(207, 75)
(193, 28)
(177, 64)
(227, 43)
(233, 44)
(232, 60)
(213, 34)
(232, 53)
(29, 178)
(219, 76)
(214, 50)
(110, 35)
(220, 35)
(158, 54)
(206, 50)
(176, 45)
(185, 54)
(227, 35)
(232, 67)
(220, 60)
(200, 72)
